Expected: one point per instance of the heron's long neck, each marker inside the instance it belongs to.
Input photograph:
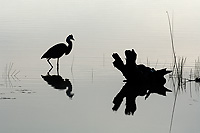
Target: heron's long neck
(69, 47)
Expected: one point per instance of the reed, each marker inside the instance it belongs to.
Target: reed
(174, 67)
(72, 65)
(197, 68)
(177, 70)
(92, 75)
(10, 75)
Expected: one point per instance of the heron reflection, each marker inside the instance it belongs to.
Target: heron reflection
(57, 82)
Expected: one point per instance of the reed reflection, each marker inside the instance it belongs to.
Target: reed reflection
(57, 82)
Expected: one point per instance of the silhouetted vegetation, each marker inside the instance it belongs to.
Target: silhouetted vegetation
(177, 72)
(10, 75)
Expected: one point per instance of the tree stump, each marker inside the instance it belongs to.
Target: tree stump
(140, 81)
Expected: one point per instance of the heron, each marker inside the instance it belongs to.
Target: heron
(57, 51)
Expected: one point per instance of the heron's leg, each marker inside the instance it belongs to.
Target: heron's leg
(58, 66)
(50, 65)
(49, 62)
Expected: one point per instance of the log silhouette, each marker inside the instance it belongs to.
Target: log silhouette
(140, 81)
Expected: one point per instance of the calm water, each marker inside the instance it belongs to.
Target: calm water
(29, 28)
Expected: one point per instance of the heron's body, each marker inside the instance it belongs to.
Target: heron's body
(58, 50)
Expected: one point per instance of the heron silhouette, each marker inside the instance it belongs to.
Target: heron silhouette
(57, 51)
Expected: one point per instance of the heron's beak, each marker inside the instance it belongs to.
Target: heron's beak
(73, 39)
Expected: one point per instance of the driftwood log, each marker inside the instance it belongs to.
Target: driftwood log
(140, 81)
